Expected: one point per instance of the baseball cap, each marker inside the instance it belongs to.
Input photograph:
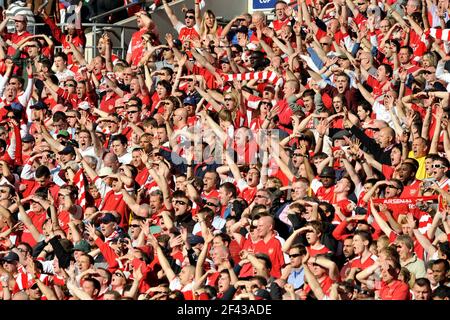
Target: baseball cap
(242, 29)
(16, 106)
(84, 105)
(105, 171)
(328, 172)
(28, 138)
(20, 17)
(341, 134)
(11, 257)
(194, 239)
(262, 294)
(107, 218)
(190, 100)
(39, 106)
(82, 245)
(67, 150)
(63, 133)
(225, 60)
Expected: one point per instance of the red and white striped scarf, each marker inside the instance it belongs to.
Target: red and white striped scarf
(271, 76)
(441, 34)
(23, 279)
(80, 182)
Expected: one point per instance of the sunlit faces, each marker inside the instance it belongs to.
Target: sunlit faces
(404, 56)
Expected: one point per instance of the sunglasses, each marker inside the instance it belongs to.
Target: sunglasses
(438, 166)
(228, 99)
(134, 226)
(295, 255)
(211, 204)
(325, 43)
(266, 103)
(132, 111)
(189, 17)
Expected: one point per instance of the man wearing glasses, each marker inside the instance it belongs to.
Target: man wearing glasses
(293, 273)
(187, 31)
(282, 18)
(440, 167)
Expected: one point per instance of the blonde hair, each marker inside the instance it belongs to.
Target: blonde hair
(204, 29)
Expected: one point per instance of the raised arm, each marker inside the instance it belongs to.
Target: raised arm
(172, 17)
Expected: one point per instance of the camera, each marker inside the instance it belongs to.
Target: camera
(427, 183)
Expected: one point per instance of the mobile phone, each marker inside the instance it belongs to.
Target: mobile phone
(155, 229)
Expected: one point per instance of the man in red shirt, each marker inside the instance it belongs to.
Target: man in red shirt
(282, 18)
(136, 161)
(75, 33)
(20, 34)
(188, 31)
(324, 189)
(391, 287)
(407, 175)
(136, 47)
(270, 244)
(210, 183)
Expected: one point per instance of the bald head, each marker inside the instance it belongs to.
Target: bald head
(180, 115)
(111, 160)
(386, 137)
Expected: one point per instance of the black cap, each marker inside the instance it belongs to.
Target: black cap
(107, 218)
(341, 134)
(225, 60)
(190, 100)
(262, 294)
(328, 172)
(193, 240)
(28, 138)
(39, 106)
(67, 150)
(242, 29)
(11, 257)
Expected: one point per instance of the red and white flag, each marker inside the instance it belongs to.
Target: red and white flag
(441, 34)
(270, 76)
(80, 182)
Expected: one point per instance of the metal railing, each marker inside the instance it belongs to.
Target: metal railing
(96, 28)
(104, 14)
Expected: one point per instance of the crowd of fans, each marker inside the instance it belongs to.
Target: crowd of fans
(301, 158)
